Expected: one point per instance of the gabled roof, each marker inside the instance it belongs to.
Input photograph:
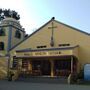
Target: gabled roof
(72, 27)
(45, 25)
(31, 34)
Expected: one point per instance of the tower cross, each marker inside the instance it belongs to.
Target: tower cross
(52, 37)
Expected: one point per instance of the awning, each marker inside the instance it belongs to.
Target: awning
(51, 52)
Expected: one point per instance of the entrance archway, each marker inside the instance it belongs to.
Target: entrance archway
(65, 65)
(49, 66)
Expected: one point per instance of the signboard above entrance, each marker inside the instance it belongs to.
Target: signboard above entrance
(45, 53)
(49, 52)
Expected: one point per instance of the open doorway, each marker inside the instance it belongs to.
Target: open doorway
(41, 66)
(62, 67)
(46, 67)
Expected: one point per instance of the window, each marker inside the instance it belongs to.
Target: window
(60, 45)
(1, 46)
(2, 32)
(41, 46)
(18, 34)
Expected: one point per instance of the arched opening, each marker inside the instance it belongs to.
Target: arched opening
(2, 32)
(18, 34)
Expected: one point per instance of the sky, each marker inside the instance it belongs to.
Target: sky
(35, 13)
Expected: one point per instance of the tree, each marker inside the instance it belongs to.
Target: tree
(1, 15)
(0, 11)
(15, 15)
(8, 13)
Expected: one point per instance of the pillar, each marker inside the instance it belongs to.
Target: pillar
(30, 66)
(71, 64)
(19, 64)
(52, 68)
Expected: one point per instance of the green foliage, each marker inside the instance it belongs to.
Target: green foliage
(8, 13)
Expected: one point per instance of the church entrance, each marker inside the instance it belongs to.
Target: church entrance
(46, 67)
(62, 67)
(53, 67)
(65, 66)
(41, 67)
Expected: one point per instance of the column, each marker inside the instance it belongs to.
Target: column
(30, 67)
(19, 64)
(52, 68)
(71, 64)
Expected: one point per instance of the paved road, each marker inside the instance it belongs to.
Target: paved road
(6, 85)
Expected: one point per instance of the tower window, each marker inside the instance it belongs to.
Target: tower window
(18, 34)
(2, 32)
(1, 46)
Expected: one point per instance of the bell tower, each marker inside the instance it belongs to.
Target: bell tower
(11, 31)
(11, 34)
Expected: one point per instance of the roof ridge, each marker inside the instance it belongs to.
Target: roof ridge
(72, 27)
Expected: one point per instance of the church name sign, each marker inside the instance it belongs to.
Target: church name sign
(45, 53)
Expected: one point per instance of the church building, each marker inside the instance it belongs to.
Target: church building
(53, 50)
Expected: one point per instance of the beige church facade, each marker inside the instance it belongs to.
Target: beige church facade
(55, 49)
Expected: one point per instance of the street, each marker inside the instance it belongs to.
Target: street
(17, 85)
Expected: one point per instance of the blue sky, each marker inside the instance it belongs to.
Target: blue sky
(35, 13)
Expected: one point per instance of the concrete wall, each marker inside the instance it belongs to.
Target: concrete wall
(3, 67)
(5, 40)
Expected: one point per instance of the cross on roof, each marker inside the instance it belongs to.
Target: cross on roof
(52, 28)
